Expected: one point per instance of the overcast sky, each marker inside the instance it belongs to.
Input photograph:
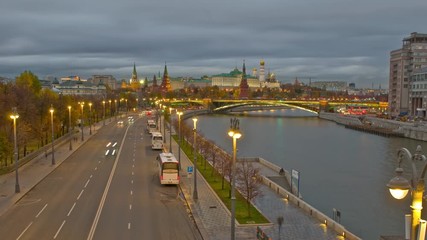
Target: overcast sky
(345, 40)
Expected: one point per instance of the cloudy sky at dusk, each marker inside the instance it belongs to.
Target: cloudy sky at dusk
(327, 40)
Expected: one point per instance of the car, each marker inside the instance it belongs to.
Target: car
(120, 123)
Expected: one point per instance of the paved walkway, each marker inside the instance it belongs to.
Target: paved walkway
(212, 217)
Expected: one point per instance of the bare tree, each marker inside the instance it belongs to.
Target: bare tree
(248, 182)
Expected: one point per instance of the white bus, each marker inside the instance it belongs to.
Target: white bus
(156, 141)
(151, 126)
(168, 168)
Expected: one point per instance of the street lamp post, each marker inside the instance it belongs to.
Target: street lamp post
(179, 138)
(400, 186)
(195, 196)
(170, 130)
(15, 116)
(109, 101)
(53, 135)
(81, 122)
(115, 109)
(69, 126)
(235, 134)
(90, 118)
(164, 124)
(103, 103)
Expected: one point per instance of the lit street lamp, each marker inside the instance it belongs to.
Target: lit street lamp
(103, 103)
(53, 135)
(179, 138)
(109, 101)
(115, 109)
(164, 124)
(90, 120)
(170, 130)
(235, 134)
(15, 116)
(400, 186)
(195, 197)
(69, 126)
(81, 120)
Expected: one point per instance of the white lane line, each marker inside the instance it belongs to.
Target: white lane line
(96, 168)
(22, 233)
(128, 225)
(131, 192)
(87, 182)
(131, 182)
(132, 173)
(130, 206)
(104, 195)
(80, 194)
(106, 153)
(38, 214)
(114, 152)
(108, 144)
(69, 212)
(57, 232)
(133, 165)
(114, 144)
(99, 162)
(90, 176)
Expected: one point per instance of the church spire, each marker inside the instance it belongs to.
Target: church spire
(134, 74)
(166, 84)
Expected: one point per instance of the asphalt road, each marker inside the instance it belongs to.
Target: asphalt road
(94, 195)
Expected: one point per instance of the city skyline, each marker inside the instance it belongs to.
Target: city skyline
(330, 40)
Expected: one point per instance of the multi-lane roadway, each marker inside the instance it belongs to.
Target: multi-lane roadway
(107, 189)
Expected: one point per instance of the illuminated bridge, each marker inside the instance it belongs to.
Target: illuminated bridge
(224, 106)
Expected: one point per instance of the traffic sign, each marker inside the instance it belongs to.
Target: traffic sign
(190, 169)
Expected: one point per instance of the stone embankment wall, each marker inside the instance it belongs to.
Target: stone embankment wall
(414, 130)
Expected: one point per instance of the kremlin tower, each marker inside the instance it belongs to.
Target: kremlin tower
(261, 71)
(166, 84)
(244, 87)
(134, 75)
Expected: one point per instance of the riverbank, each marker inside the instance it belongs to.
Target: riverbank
(380, 126)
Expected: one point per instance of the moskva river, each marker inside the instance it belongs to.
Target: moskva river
(339, 168)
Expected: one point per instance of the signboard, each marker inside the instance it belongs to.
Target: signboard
(295, 181)
(190, 169)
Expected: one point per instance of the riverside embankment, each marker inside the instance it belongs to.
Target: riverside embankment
(386, 127)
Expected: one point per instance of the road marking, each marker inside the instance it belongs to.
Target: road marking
(114, 152)
(106, 153)
(133, 165)
(22, 233)
(80, 194)
(130, 206)
(104, 195)
(128, 225)
(132, 173)
(38, 214)
(96, 168)
(99, 161)
(131, 182)
(87, 182)
(114, 144)
(69, 212)
(108, 144)
(57, 232)
(90, 176)
(131, 192)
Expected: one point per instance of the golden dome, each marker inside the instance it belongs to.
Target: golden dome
(261, 62)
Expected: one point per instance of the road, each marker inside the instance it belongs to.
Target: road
(94, 195)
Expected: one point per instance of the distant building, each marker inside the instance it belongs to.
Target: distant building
(70, 78)
(335, 86)
(233, 79)
(261, 76)
(80, 88)
(107, 80)
(403, 62)
(352, 86)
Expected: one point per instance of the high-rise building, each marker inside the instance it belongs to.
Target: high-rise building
(403, 62)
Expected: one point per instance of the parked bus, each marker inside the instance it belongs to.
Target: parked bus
(168, 168)
(156, 141)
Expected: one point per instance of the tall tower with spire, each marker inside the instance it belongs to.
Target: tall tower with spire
(134, 75)
(166, 83)
(244, 87)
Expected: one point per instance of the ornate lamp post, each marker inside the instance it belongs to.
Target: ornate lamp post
(69, 126)
(81, 122)
(170, 130)
(53, 135)
(15, 116)
(195, 196)
(235, 134)
(179, 138)
(90, 118)
(400, 186)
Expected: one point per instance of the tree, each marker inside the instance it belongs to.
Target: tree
(29, 80)
(248, 182)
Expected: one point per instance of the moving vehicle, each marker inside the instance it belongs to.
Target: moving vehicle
(168, 168)
(151, 126)
(156, 141)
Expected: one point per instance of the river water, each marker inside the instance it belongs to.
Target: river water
(339, 168)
